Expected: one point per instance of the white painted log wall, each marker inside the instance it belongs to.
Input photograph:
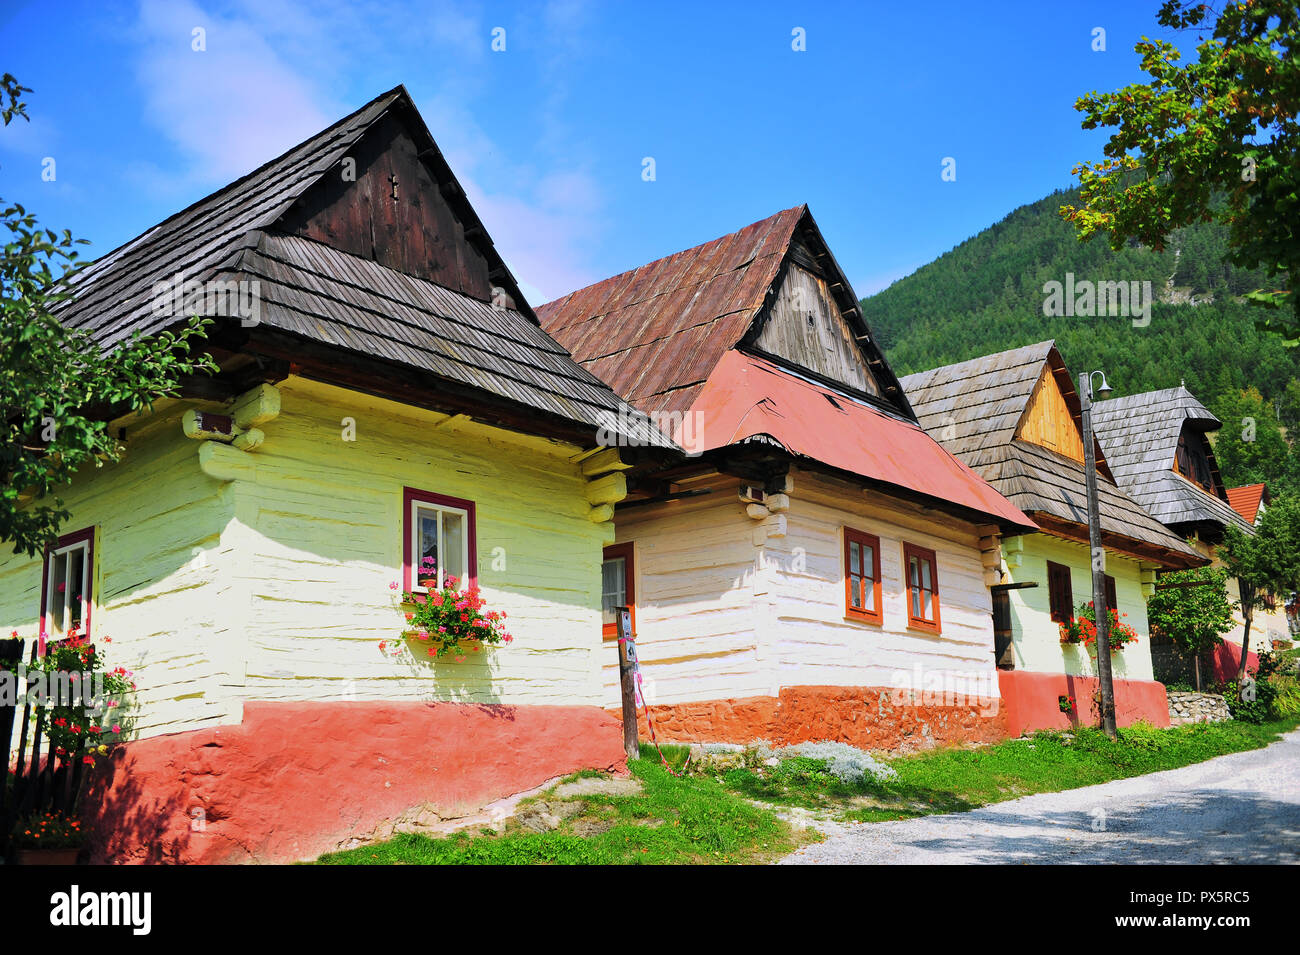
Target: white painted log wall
(721, 618)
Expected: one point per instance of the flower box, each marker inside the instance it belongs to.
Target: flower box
(47, 856)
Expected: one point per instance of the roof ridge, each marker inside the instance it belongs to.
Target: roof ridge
(801, 208)
(230, 186)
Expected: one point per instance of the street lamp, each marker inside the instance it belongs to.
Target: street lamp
(1100, 610)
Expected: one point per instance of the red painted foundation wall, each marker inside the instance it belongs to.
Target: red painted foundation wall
(295, 780)
(1032, 701)
(867, 717)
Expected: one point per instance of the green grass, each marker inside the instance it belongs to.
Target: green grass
(671, 821)
(955, 780)
(714, 818)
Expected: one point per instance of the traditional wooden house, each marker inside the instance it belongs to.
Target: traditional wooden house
(1014, 417)
(385, 394)
(1158, 444)
(819, 558)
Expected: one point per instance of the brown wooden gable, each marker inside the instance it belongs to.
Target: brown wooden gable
(395, 213)
(811, 322)
(1047, 420)
(806, 329)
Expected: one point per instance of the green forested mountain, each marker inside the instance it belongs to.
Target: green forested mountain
(988, 294)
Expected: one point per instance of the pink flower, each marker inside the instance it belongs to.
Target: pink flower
(393, 585)
(423, 635)
(116, 728)
(432, 651)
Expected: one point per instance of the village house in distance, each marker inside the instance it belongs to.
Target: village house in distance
(1158, 445)
(394, 400)
(1014, 417)
(820, 554)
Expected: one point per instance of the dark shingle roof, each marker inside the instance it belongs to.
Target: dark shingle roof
(973, 408)
(321, 293)
(1140, 434)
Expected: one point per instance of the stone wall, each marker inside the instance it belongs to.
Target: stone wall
(1197, 708)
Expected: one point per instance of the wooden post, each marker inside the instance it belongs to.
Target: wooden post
(1097, 559)
(627, 681)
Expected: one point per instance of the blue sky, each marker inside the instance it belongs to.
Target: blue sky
(549, 136)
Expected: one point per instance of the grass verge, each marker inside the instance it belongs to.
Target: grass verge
(713, 818)
(671, 820)
(955, 780)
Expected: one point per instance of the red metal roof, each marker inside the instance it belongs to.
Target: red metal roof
(1245, 500)
(746, 396)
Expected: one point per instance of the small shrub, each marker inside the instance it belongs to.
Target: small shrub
(1251, 700)
(1286, 704)
(846, 763)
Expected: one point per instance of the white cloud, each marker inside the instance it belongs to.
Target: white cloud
(258, 89)
(230, 107)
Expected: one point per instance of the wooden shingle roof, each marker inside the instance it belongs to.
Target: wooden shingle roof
(1140, 434)
(656, 332)
(312, 292)
(320, 292)
(974, 408)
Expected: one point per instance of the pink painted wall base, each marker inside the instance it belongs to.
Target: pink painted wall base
(1226, 658)
(1031, 701)
(295, 780)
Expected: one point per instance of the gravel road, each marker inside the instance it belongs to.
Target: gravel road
(1242, 808)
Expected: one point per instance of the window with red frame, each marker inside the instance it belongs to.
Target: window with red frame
(616, 588)
(862, 576)
(922, 570)
(438, 541)
(67, 584)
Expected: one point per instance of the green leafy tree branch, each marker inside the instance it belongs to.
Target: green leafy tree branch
(1213, 139)
(57, 387)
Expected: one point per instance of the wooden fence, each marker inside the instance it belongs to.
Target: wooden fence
(37, 780)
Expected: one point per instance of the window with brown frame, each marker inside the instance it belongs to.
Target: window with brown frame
(862, 576)
(922, 570)
(1060, 592)
(1111, 601)
(616, 588)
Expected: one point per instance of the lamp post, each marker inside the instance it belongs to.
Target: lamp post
(1100, 610)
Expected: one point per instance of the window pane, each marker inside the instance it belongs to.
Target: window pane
(453, 545)
(613, 589)
(58, 591)
(428, 543)
(855, 590)
(925, 576)
(915, 577)
(868, 562)
(855, 558)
